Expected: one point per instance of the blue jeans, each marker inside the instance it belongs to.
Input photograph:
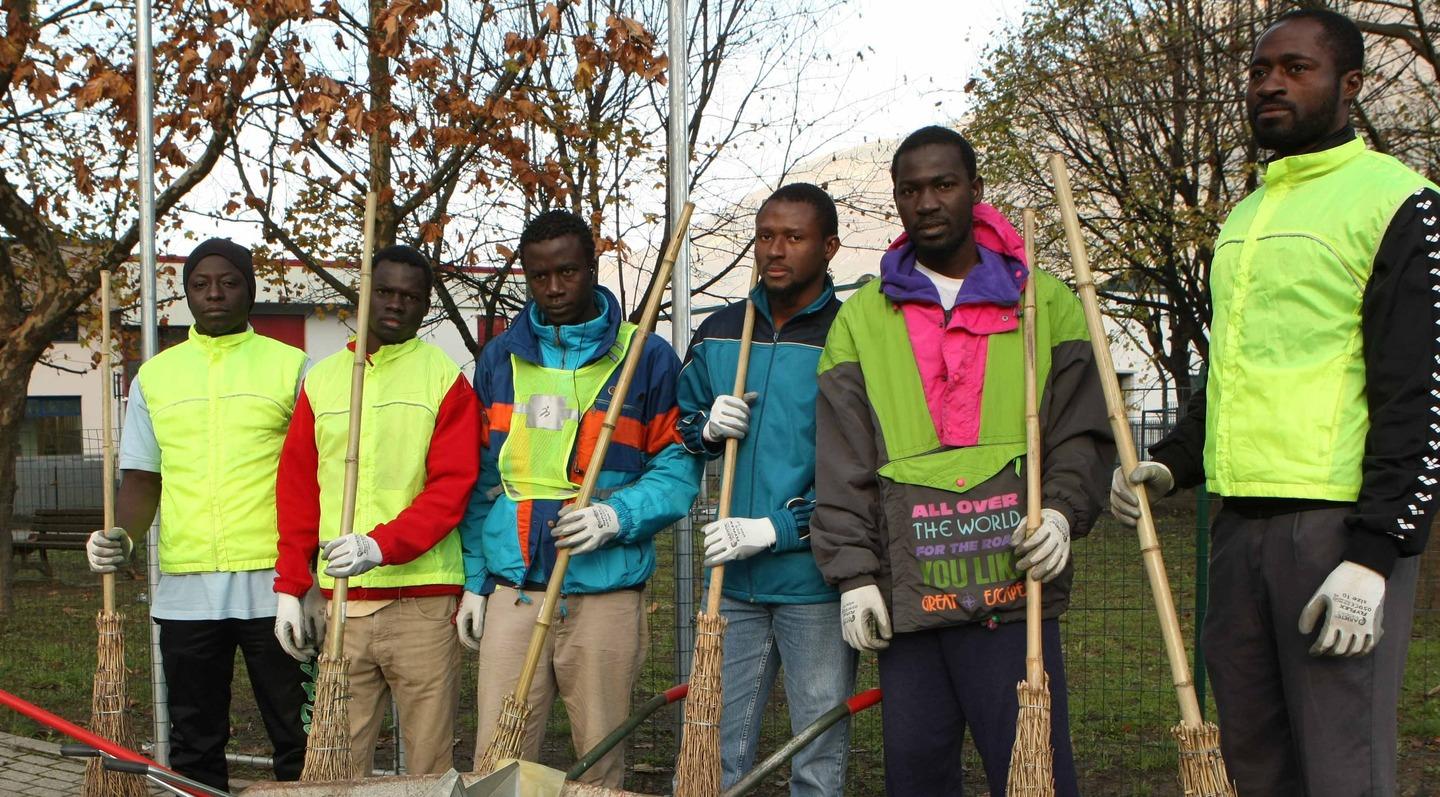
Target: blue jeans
(819, 675)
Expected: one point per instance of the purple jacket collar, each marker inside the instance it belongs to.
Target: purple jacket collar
(996, 279)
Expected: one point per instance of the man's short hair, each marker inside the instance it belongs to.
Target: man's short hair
(554, 224)
(935, 134)
(410, 256)
(1343, 37)
(814, 196)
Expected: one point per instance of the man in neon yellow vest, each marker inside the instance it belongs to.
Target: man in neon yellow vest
(418, 427)
(1320, 427)
(544, 388)
(202, 438)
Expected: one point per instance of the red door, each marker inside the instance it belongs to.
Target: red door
(284, 328)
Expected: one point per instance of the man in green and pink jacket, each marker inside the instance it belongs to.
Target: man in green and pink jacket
(920, 484)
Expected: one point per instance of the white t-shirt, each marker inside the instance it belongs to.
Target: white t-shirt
(947, 287)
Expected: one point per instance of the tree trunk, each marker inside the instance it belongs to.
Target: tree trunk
(13, 386)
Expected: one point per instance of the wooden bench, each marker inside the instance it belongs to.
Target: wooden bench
(53, 530)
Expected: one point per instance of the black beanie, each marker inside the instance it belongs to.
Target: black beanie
(238, 256)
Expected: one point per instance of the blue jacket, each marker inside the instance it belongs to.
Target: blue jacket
(776, 462)
(647, 477)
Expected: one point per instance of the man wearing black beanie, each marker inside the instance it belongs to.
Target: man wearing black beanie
(202, 438)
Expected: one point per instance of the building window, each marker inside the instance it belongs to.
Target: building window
(51, 426)
(488, 327)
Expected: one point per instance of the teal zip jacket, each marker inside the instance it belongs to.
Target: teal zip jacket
(775, 472)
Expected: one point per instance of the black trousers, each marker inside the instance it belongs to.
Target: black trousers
(1291, 723)
(199, 658)
(939, 684)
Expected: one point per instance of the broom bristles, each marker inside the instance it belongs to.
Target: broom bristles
(1032, 759)
(108, 703)
(327, 750)
(509, 734)
(698, 771)
(1202, 768)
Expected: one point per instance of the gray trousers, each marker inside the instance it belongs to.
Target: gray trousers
(1291, 723)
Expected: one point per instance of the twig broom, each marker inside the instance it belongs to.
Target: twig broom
(110, 698)
(697, 773)
(1202, 769)
(1032, 759)
(327, 750)
(515, 709)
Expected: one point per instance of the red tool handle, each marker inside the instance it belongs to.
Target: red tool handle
(74, 731)
(862, 701)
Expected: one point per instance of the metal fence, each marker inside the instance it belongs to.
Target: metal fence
(1121, 701)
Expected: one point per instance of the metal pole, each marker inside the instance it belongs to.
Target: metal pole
(149, 343)
(677, 182)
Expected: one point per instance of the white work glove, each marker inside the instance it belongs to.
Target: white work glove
(584, 530)
(1047, 550)
(470, 620)
(300, 623)
(351, 555)
(737, 538)
(863, 619)
(108, 549)
(1124, 503)
(729, 417)
(1352, 600)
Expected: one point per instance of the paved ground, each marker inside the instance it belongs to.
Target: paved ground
(32, 768)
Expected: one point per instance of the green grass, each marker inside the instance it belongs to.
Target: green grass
(1121, 701)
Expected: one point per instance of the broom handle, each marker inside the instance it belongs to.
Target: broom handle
(1120, 426)
(107, 431)
(335, 634)
(602, 445)
(1034, 648)
(732, 446)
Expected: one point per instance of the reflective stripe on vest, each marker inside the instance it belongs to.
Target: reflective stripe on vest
(1286, 414)
(220, 407)
(405, 384)
(549, 403)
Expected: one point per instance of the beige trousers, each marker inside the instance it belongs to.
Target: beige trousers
(591, 659)
(407, 648)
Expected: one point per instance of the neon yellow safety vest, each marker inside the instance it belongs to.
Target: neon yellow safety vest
(220, 407)
(405, 384)
(1285, 402)
(549, 403)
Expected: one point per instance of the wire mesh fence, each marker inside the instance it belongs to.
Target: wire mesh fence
(1121, 700)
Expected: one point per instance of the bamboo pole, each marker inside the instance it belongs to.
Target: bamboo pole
(327, 750)
(110, 695)
(515, 711)
(1202, 768)
(1032, 758)
(697, 771)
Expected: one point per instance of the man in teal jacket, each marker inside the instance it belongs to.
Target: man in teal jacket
(778, 607)
(544, 388)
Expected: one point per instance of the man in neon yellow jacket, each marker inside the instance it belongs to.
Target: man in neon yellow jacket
(202, 439)
(1318, 426)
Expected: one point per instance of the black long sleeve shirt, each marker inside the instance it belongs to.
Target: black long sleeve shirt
(1400, 324)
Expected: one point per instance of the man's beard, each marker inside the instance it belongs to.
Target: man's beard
(1302, 132)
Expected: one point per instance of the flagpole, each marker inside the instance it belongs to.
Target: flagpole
(677, 182)
(149, 333)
